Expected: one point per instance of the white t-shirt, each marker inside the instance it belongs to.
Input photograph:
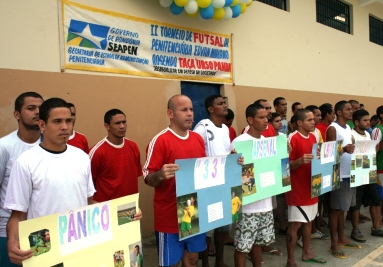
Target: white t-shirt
(345, 159)
(263, 205)
(217, 139)
(11, 147)
(43, 183)
(359, 137)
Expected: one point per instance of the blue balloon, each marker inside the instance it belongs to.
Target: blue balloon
(207, 13)
(236, 10)
(228, 2)
(176, 10)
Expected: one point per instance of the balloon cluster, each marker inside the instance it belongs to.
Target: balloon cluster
(208, 9)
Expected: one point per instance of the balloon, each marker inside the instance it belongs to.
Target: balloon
(193, 15)
(228, 2)
(219, 13)
(243, 1)
(228, 13)
(166, 3)
(191, 7)
(207, 13)
(176, 10)
(236, 10)
(203, 3)
(181, 2)
(243, 7)
(249, 3)
(218, 3)
(234, 3)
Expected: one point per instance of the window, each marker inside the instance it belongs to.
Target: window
(281, 4)
(376, 31)
(334, 13)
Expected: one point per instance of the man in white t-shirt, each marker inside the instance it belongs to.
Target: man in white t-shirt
(256, 227)
(217, 143)
(365, 194)
(41, 183)
(11, 146)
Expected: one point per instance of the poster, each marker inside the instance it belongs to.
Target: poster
(106, 41)
(207, 191)
(102, 234)
(266, 170)
(325, 167)
(363, 163)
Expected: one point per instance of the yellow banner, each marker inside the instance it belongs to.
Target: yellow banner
(105, 41)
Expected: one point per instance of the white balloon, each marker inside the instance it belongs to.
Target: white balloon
(218, 3)
(228, 13)
(166, 3)
(191, 7)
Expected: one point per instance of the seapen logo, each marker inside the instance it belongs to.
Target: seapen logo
(85, 34)
(84, 227)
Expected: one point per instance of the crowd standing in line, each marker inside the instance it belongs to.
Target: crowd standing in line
(46, 143)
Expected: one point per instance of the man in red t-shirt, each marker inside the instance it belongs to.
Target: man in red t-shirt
(302, 209)
(328, 116)
(115, 160)
(269, 131)
(77, 139)
(174, 142)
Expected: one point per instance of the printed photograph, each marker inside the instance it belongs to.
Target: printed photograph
(339, 151)
(373, 176)
(285, 172)
(316, 185)
(126, 212)
(352, 179)
(358, 161)
(374, 160)
(135, 252)
(248, 180)
(319, 150)
(118, 258)
(40, 242)
(188, 220)
(366, 162)
(353, 164)
(335, 176)
(236, 203)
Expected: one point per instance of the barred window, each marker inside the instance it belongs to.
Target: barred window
(334, 13)
(376, 31)
(281, 4)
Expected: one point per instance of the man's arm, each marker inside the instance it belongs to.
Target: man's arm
(306, 158)
(167, 171)
(16, 255)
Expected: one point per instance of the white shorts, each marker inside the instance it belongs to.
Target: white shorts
(303, 214)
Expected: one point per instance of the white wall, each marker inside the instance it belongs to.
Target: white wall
(272, 48)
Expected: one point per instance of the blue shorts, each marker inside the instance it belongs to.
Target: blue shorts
(171, 250)
(4, 259)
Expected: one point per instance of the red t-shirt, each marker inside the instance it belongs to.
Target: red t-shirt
(79, 140)
(165, 148)
(322, 128)
(268, 132)
(232, 133)
(115, 169)
(300, 194)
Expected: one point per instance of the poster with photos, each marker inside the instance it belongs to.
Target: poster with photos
(266, 171)
(208, 193)
(363, 163)
(103, 234)
(325, 167)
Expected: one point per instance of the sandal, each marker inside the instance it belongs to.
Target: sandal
(338, 254)
(272, 251)
(212, 252)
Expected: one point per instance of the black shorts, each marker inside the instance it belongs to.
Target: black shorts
(367, 195)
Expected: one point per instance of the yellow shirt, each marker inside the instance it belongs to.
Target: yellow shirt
(235, 204)
(187, 211)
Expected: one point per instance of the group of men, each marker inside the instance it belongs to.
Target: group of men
(35, 157)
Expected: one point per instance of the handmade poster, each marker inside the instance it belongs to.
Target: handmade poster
(266, 171)
(363, 163)
(325, 167)
(208, 193)
(100, 40)
(102, 234)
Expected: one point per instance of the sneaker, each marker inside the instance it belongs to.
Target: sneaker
(300, 242)
(357, 235)
(316, 235)
(378, 232)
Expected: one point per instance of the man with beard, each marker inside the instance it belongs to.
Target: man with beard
(11, 146)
